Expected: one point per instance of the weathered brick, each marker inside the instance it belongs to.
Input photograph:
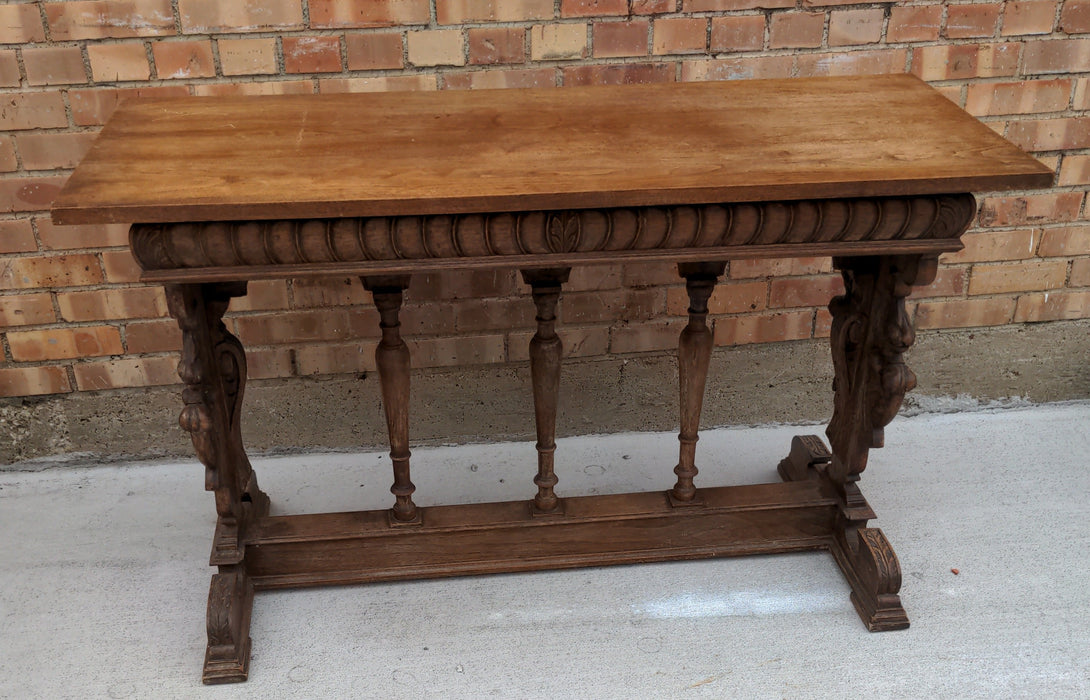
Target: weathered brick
(589, 278)
(32, 110)
(551, 42)
(93, 107)
(738, 33)
(680, 35)
(790, 30)
(374, 51)
(747, 68)
(8, 162)
(613, 39)
(1017, 277)
(1020, 210)
(297, 326)
(119, 266)
(183, 59)
(328, 291)
(118, 62)
(457, 351)
(491, 45)
(108, 304)
(1081, 99)
(340, 358)
(593, 8)
(392, 83)
(1075, 170)
(1050, 134)
(1032, 17)
(118, 374)
(248, 56)
(16, 236)
(33, 381)
(989, 246)
(21, 24)
(153, 336)
(576, 342)
(778, 267)
(873, 62)
(269, 363)
(1059, 56)
(804, 291)
(493, 314)
(262, 295)
(441, 47)
(972, 21)
(211, 17)
(55, 237)
(26, 310)
(69, 21)
(1080, 273)
(459, 11)
(473, 284)
(729, 298)
(949, 282)
(312, 54)
(265, 87)
(1065, 242)
(914, 23)
(619, 74)
(616, 305)
(9, 69)
(645, 337)
(732, 5)
(49, 271)
(964, 313)
(763, 328)
(1052, 306)
(54, 65)
(339, 14)
(960, 62)
(50, 150)
(29, 193)
(854, 27)
(1023, 97)
(1075, 17)
(652, 7)
(498, 79)
(64, 343)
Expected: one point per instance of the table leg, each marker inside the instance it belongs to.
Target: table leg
(871, 331)
(694, 354)
(213, 368)
(392, 360)
(545, 353)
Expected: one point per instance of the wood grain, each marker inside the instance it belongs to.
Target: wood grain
(289, 157)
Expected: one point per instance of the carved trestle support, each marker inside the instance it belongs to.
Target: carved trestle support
(213, 369)
(393, 363)
(546, 350)
(694, 354)
(871, 331)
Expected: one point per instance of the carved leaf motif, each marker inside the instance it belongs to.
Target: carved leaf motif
(563, 232)
(220, 602)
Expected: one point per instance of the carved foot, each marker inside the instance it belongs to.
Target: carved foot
(808, 452)
(871, 567)
(230, 600)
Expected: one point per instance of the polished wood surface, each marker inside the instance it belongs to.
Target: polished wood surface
(293, 157)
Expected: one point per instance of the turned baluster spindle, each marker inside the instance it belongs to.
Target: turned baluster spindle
(693, 357)
(545, 351)
(392, 361)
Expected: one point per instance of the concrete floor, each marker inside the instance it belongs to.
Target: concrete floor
(103, 580)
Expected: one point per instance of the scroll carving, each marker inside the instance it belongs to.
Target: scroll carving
(230, 599)
(247, 243)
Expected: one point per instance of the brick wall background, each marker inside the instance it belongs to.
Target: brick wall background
(74, 318)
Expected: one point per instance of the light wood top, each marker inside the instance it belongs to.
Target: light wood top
(303, 156)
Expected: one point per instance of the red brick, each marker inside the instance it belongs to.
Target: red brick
(249, 56)
(1075, 17)
(576, 342)
(51, 150)
(211, 17)
(262, 295)
(589, 278)
(593, 8)
(338, 14)
(499, 79)
(94, 107)
(796, 30)
(949, 282)
(21, 24)
(374, 51)
(1017, 277)
(109, 304)
(970, 21)
(738, 33)
(265, 87)
(1050, 134)
(964, 313)
(120, 266)
(653, 274)
(441, 47)
(1080, 273)
(183, 59)
(17, 236)
(269, 364)
(55, 237)
(1031, 17)
(117, 374)
(1059, 56)
(619, 74)
(878, 61)
(1020, 210)
(49, 271)
(9, 70)
(328, 291)
(493, 314)
(748, 68)
(1081, 100)
(613, 39)
(29, 193)
(8, 162)
(959, 62)
(854, 27)
(763, 328)
(778, 267)
(612, 306)
(652, 7)
(64, 343)
(914, 23)
(1065, 242)
(54, 65)
(645, 337)
(33, 381)
(451, 352)
(804, 291)
(680, 35)
(297, 326)
(459, 11)
(424, 319)
(730, 298)
(1075, 170)
(32, 110)
(988, 246)
(493, 45)
(551, 42)
(830, 3)
(1052, 306)
(336, 359)
(732, 5)
(1024, 97)
(26, 310)
(474, 284)
(391, 83)
(70, 21)
(153, 336)
(112, 63)
(312, 54)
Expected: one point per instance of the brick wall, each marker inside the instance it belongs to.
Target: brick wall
(74, 318)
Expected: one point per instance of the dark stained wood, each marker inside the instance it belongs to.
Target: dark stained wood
(412, 153)
(230, 604)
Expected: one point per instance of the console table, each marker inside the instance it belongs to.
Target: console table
(874, 171)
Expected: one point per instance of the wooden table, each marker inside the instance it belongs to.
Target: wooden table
(874, 171)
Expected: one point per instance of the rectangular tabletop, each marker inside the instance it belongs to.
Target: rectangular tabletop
(381, 154)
